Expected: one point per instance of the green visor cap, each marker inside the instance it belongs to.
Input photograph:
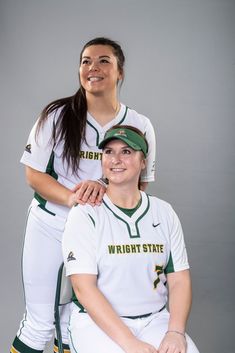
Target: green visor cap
(130, 137)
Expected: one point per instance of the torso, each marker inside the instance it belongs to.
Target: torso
(133, 254)
(90, 155)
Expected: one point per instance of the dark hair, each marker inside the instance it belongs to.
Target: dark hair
(71, 123)
(116, 48)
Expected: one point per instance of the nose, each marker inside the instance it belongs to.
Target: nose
(94, 66)
(116, 158)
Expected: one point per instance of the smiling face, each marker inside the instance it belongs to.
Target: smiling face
(121, 164)
(99, 73)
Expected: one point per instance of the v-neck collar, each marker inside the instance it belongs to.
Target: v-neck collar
(131, 222)
(117, 120)
(100, 130)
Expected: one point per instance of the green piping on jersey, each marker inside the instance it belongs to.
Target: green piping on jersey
(75, 300)
(130, 211)
(136, 222)
(97, 132)
(71, 339)
(92, 219)
(143, 214)
(22, 277)
(50, 171)
(124, 116)
(170, 266)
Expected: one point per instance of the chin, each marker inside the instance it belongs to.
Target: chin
(115, 180)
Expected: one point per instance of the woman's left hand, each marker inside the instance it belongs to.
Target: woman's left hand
(173, 343)
(89, 191)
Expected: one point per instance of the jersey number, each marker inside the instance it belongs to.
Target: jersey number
(158, 270)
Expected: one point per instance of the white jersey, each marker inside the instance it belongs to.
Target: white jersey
(44, 157)
(130, 255)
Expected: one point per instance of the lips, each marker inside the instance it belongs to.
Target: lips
(95, 79)
(117, 170)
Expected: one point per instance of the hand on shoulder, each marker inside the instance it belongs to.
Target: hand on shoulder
(89, 191)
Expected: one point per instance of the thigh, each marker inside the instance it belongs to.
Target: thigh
(86, 337)
(42, 256)
(155, 328)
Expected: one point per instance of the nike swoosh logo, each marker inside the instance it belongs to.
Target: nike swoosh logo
(155, 225)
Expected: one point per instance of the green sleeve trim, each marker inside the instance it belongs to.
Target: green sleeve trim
(50, 171)
(170, 266)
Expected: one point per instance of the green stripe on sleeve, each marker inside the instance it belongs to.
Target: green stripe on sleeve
(50, 171)
(170, 266)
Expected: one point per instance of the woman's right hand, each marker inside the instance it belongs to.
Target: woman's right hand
(134, 345)
(89, 191)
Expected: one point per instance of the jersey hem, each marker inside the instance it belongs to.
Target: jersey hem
(34, 165)
(178, 269)
(83, 270)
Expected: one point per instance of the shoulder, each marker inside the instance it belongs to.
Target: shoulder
(156, 200)
(81, 214)
(54, 116)
(164, 213)
(50, 120)
(140, 119)
(160, 205)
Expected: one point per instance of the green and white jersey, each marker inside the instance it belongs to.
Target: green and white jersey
(130, 255)
(44, 157)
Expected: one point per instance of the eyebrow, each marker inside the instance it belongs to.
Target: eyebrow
(101, 56)
(123, 147)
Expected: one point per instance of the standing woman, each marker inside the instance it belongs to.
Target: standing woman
(63, 166)
(122, 257)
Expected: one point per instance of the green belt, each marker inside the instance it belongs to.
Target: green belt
(144, 315)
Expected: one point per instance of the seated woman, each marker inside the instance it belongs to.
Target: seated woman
(123, 258)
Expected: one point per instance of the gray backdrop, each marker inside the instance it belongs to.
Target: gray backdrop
(180, 73)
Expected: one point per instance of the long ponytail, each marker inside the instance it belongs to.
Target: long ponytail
(70, 126)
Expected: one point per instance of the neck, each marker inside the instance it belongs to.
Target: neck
(125, 197)
(103, 108)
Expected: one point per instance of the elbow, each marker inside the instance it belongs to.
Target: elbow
(180, 281)
(30, 176)
(81, 295)
(84, 286)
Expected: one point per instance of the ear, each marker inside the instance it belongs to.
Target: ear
(143, 166)
(119, 79)
(120, 75)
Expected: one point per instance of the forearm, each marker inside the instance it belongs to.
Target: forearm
(49, 188)
(103, 314)
(180, 298)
